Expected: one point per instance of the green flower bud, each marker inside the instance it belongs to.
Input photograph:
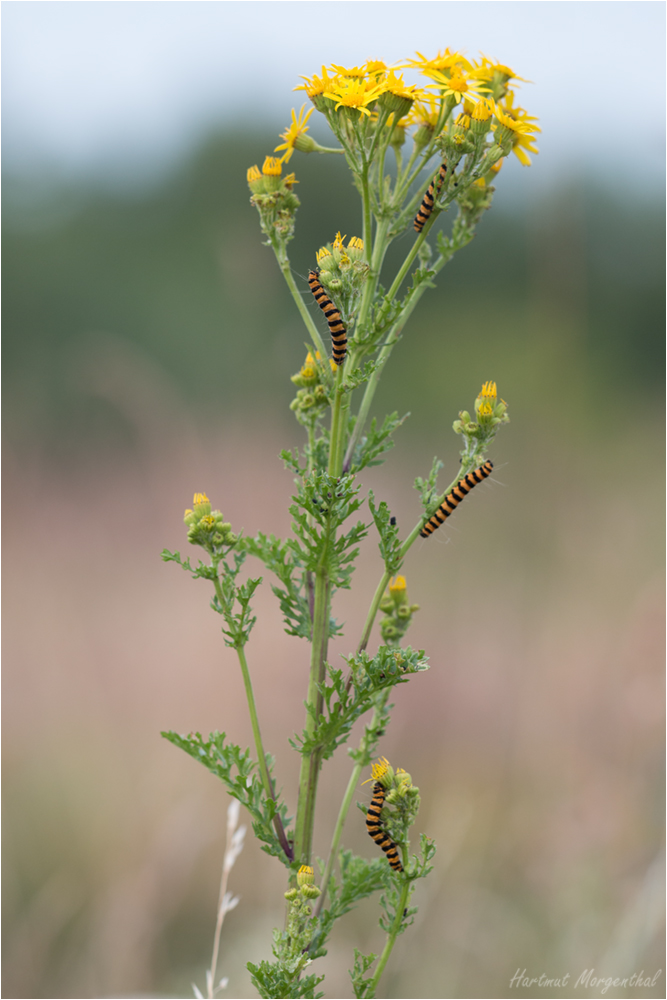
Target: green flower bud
(497, 151)
(255, 180)
(305, 875)
(310, 891)
(400, 104)
(422, 136)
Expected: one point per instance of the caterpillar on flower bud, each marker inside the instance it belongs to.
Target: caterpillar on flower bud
(333, 318)
(380, 836)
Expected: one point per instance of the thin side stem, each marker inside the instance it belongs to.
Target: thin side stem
(318, 343)
(391, 939)
(404, 549)
(338, 830)
(391, 340)
(375, 604)
(261, 756)
(346, 803)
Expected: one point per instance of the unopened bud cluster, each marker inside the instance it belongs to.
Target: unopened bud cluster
(398, 611)
(300, 910)
(207, 527)
(311, 399)
(490, 413)
(342, 269)
(274, 198)
(400, 794)
(405, 798)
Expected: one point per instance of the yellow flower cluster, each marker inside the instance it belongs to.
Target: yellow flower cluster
(483, 87)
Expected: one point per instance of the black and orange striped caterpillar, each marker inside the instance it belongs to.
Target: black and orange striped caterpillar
(453, 499)
(432, 193)
(380, 836)
(336, 328)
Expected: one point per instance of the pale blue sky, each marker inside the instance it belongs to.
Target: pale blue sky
(126, 87)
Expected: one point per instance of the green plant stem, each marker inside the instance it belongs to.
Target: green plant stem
(347, 801)
(310, 763)
(338, 830)
(261, 756)
(391, 939)
(337, 426)
(283, 263)
(375, 604)
(257, 734)
(395, 333)
(466, 466)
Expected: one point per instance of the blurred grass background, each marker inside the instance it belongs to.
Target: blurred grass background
(148, 348)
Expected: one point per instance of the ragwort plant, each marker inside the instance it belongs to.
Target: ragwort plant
(414, 152)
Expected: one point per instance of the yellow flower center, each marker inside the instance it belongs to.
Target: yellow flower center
(253, 174)
(397, 585)
(458, 84)
(489, 390)
(200, 498)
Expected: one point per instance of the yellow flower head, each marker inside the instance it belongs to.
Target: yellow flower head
(357, 71)
(395, 85)
(380, 769)
(339, 242)
(489, 391)
(308, 367)
(459, 86)
(354, 92)
(519, 125)
(296, 130)
(355, 243)
(315, 85)
(375, 67)
(322, 254)
(201, 507)
(482, 111)
(425, 111)
(398, 585)
(253, 174)
(488, 69)
(444, 62)
(272, 166)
